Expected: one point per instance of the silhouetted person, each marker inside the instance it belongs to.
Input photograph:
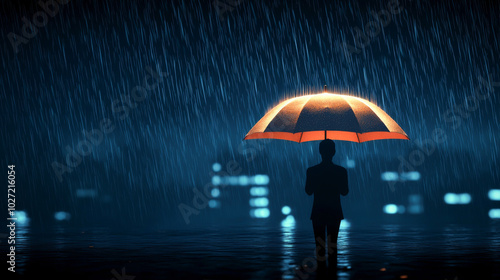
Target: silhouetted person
(327, 181)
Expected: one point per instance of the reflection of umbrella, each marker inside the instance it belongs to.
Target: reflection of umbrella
(326, 116)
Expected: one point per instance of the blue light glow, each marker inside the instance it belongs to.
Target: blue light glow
(261, 179)
(286, 210)
(391, 209)
(453, 198)
(464, 198)
(260, 213)
(244, 180)
(214, 204)
(494, 213)
(345, 224)
(410, 176)
(216, 180)
(233, 180)
(389, 176)
(259, 191)
(215, 192)
(416, 205)
(216, 167)
(450, 198)
(289, 221)
(22, 217)
(494, 194)
(259, 202)
(86, 193)
(350, 163)
(62, 216)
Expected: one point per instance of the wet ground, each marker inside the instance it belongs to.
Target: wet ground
(257, 252)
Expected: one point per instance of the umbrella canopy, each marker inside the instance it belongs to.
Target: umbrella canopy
(326, 116)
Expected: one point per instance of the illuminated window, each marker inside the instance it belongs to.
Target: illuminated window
(259, 202)
(22, 217)
(261, 179)
(214, 204)
(391, 209)
(260, 213)
(410, 176)
(62, 216)
(286, 210)
(215, 192)
(216, 167)
(259, 191)
(389, 176)
(494, 194)
(415, 204)
(453, 198)
(494, 213)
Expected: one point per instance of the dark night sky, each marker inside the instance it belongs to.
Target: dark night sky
(434, 65)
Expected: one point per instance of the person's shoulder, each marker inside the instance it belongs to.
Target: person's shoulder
(314, 167)
(340, 168)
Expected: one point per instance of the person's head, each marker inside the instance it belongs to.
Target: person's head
(327, 149)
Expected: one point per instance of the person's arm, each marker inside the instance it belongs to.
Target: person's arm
(309, 183)
(344, 186)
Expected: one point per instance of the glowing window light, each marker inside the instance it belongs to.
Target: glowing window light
(61, 216)
(401, 209)
(215, 192)
(214, 204)
(243, 180)
(261, 179)
(233, 180)
(410, 176)
(464, 198)
(391, 209)
(450, 198)
(260, 213)
(216, 167)
(289, 221)
(86, 193)
(350, 163)
(453, 198)
(389, 176)
(416, 206)
(494, 213)
(216, 180)
(345, 224)
(259, 202)
(494, 194)
(286, 210)
(22, 217)
(259, 191)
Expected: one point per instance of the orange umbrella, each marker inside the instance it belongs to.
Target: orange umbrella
(326, 116)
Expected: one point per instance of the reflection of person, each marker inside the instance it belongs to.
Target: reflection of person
(327, 181)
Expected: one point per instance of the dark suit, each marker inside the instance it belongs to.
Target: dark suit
(327, 181)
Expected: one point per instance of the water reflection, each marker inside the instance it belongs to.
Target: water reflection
(22, 246)
(288, 241)
(344, 253)
(255, 251)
